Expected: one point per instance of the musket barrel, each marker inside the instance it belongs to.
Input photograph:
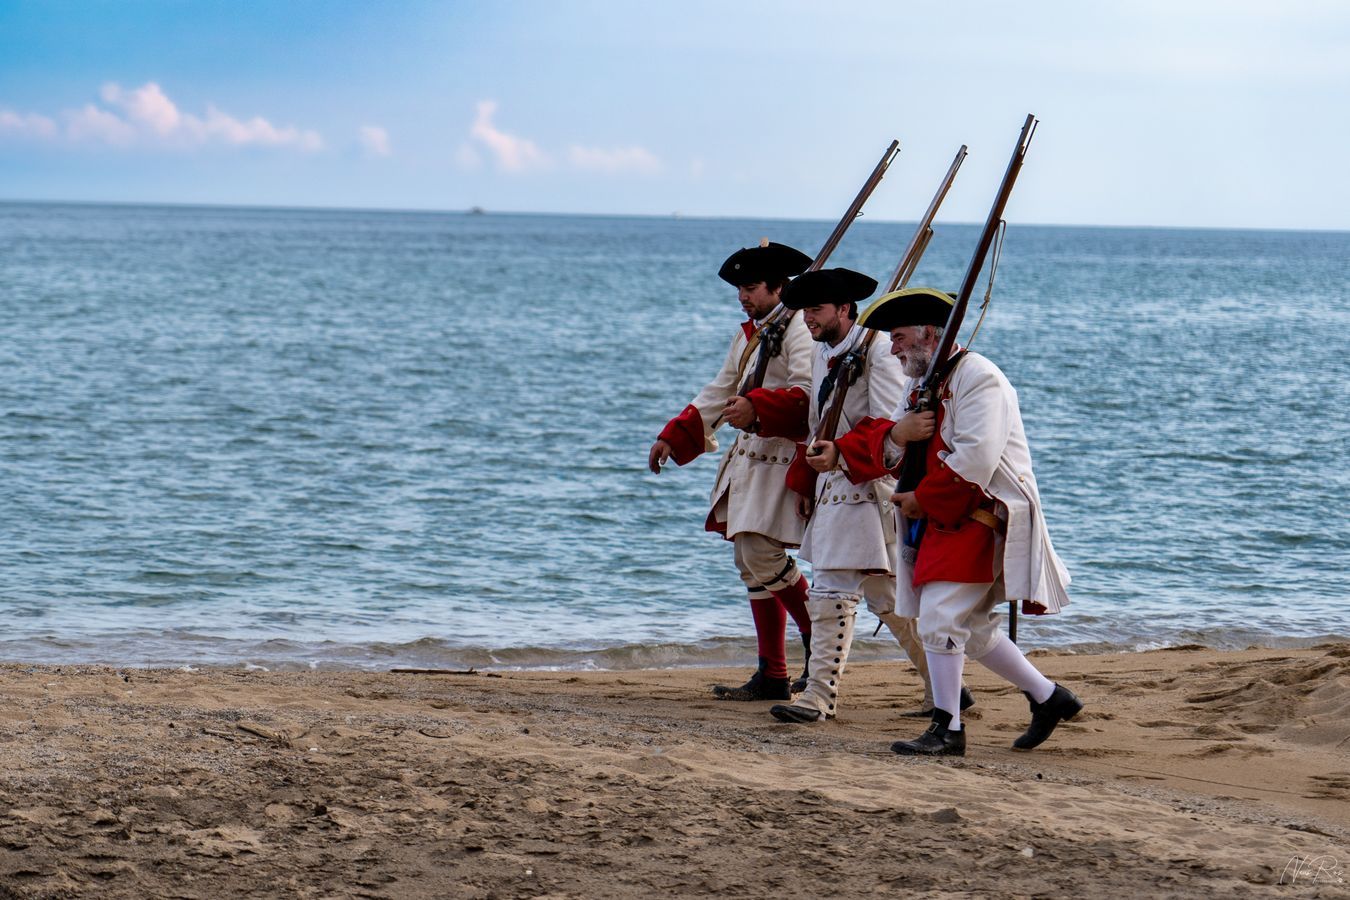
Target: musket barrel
(917, 451)
(909, 260)
(981, 250)
(855, 208)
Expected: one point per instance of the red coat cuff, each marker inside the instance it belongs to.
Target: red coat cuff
(781, 412)
(946, 497)
(801, 478)
(684, 434)
(864, 450)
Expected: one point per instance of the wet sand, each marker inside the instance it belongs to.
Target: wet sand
(1190, 773)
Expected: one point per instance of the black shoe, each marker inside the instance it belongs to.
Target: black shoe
(759, 687)
(936, 741)
(796, 715)
(800, 684)
(1060, 706)
(967, 701)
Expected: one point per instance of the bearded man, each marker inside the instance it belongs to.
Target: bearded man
(750, 504)
(973, 531)
(850, 536)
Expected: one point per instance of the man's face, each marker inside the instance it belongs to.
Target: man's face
(914, 345)
(757, 300)
(826, 322)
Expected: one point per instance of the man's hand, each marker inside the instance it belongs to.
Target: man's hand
(914, 426)
(739, 413)
(822, 456)
(909, 505)
(657, 456)
(804, 507)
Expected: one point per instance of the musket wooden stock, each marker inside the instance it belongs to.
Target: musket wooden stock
(847, 370)
(916, 452)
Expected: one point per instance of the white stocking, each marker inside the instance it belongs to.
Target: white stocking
(945, 671)
(1007, 662)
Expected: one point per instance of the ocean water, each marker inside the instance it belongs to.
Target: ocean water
(288, 438)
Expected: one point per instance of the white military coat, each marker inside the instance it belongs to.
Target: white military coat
(982, 426)
(853, 525)
(750, 484)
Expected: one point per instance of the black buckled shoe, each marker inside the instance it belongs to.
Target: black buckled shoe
(796, 715)
(967, 701)
(936, 741)
(759, 687)
(1060, 706)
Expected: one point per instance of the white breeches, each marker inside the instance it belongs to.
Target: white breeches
(764, 564)
(958, 618)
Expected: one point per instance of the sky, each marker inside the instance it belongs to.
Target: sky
(1189, 113)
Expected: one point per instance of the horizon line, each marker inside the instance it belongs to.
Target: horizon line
(478, 210)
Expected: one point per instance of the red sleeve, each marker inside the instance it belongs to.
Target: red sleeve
(946, 497)
(781, 412)
(684, 434)
(800, 477)
(864, 450)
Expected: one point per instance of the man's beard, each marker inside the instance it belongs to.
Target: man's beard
(830, 335)
(916, 363)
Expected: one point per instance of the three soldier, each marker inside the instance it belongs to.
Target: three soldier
(934, 562)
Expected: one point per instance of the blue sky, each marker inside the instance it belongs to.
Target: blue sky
(1172, 113)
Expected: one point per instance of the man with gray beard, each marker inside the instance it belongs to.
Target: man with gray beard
(972, 531)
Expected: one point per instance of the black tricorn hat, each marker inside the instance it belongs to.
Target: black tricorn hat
(912, 306)
(837, 286)
(768, 262)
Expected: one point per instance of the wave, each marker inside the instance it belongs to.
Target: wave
(191, 650)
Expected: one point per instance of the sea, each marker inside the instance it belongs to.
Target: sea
(294, 439)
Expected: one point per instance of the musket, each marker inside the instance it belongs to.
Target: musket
(909, 260)
(846, 371)
(771, 341)
(771, 337)
(851, 365)
(916, 452)
(855, 208)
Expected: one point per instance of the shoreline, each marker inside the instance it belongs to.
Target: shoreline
(1190, 771)
(705, 653)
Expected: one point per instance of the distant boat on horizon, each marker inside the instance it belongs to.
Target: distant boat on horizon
(476, 210)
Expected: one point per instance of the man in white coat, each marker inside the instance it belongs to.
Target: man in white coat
(973, 534)
(750, 504)
(850, 537)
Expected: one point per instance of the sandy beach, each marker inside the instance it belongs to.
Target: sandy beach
(1190, 773)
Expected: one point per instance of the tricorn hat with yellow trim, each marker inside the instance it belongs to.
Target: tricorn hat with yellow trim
(768, 262)
(912, 306)
(837, 286)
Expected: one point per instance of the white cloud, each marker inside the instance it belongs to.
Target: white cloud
(98, 125)
(146, 106)
(256, 130)
(375, 140)
(30, 125)
(145, 116)
(513, 154)
(619, 159)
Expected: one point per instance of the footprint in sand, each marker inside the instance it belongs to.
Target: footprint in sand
(1335, 786)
